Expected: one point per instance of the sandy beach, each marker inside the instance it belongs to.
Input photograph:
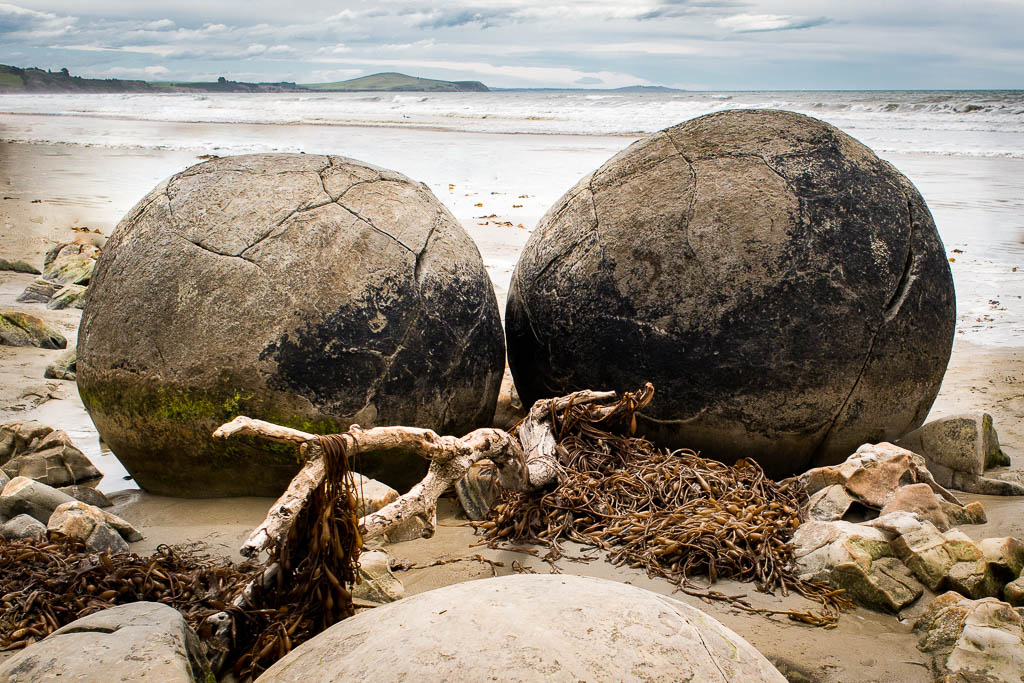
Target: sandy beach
(46, 189)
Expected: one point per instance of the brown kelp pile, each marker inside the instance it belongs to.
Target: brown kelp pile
(674, 514)
(302, 591)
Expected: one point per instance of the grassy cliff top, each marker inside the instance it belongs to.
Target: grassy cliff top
(396, 82)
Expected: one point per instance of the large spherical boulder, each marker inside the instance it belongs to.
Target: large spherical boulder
(783, 288)
(528, 628)
(310, 291)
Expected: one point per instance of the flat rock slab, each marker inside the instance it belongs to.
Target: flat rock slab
(40, 291)
(528, 628)
(22, 329)
(18, 266)
(141, 641)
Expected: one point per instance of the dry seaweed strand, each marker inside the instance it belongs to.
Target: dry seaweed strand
(47, 584)
(674, 514)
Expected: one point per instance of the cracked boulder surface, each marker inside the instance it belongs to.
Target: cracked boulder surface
(783, 288)
(499, 629)
(310, 291)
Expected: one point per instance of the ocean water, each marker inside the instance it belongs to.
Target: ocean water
(498, 160)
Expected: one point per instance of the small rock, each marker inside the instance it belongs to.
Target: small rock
(972, 513)
(69, 296)
(1013, 592)
(376, 582)
(972, 640)
(39, 291)
(958, 450)
(84, 522)
(372, 495)
(18, 266)
(1005, 555)
(21, 329)
(23, 527)
(949, 561)
(26, 496)
(64, 367)
(885, 585)
(921, 500)
(86, 494)
(138, 641)
(20, 437)
(54, 460)
(829, 504)
(509, 409)
(73, 264)
(818, 547)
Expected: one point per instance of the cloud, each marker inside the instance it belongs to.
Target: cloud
(588, 80)
(754, 23)
(143, 72)
(22, 24)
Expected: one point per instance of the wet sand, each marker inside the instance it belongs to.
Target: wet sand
(865, 646)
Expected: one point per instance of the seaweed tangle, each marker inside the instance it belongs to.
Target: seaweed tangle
(674, 514)
(305, 585)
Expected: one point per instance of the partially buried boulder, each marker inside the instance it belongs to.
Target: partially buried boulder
(140, 641)
(528, 628)
(310, 291)
(22, 329)
(63, 367)
(783, 288)
(54, 460)
(71, 263)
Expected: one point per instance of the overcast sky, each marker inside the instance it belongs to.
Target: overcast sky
(694, 44)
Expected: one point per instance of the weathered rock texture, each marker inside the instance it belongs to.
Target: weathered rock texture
(54, 460)
(783, 288)
(140, 641)
(309, 291)
(501, 629)
(22, 329)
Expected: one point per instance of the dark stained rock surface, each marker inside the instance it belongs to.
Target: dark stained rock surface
(22, 329)
(306, 290)
(783, 288)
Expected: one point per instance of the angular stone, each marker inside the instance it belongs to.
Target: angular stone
(829, 504)
(63, 367)
(54, 460)
(1005, 555)
(372, 495)
(18, 266)
(961, 443)
(944, 560)
(69, 296)
(921, 500)
(73, 264)
(22, 329)
(23, 527)
(973, 640)
(40, 291)
(79, 520)
(973, 579)
(1013, 592)
(86, 494)
(376, 582)
(139, 641)
(972, 513)
(886, 585)
(20, 437)
(26, 496)
(820, 546)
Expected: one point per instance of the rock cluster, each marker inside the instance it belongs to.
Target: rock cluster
(136, 641)
(310, 291)
(34, 450)
(784, 289)
(67, 270)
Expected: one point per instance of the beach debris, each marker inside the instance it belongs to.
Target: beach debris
(63, 367)
(972, 640)
(237, 326)
(69, 296)
(136, 641)
(18, 266)
(672, 513)
(23, 527)
(22, 495)
(38, 291)
(376, 582)
(98, 529)
(53, 459)
(529, 627)
(22, 329)
(629, 277)
(958, 449)
(70, 263)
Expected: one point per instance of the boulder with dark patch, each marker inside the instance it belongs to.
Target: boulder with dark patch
(310, 291)
(783, 288)
(22, 329)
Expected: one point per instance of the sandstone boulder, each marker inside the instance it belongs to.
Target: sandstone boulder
(22, 329)
(86, 494)
(958, 450)
(55, 461)
(26, 496)
(72, 264)
(98, 529)
(68, 296)
(783, 288)
(310, 291)
(140, 641)
(23, 527)
(376, 582)
(528, 628)
(63, 367)
(20, 437)
(40, 291)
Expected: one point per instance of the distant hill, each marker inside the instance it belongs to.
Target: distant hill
(395, 82)
(14, 79)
